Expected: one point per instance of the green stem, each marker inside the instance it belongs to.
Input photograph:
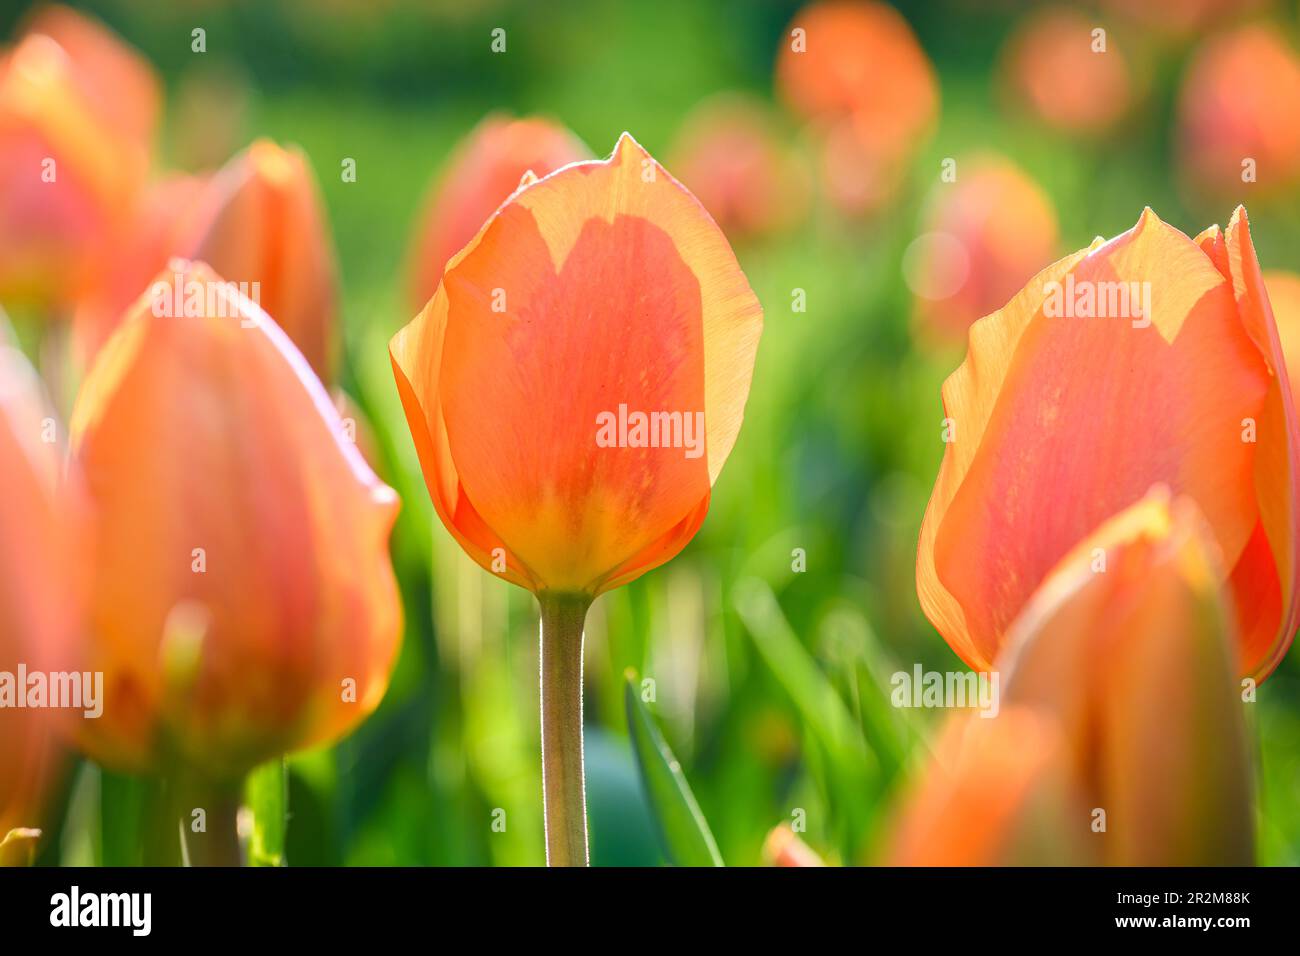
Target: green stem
(563, 788)
(174, 840)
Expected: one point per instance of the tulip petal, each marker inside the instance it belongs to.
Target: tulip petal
(1277, 463)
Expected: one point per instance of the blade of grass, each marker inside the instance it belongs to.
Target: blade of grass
(682, 828)
(267, 794)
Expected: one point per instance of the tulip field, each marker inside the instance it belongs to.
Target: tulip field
(694, 433)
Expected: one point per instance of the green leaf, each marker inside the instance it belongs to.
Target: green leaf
(682, 827)
(267, 794)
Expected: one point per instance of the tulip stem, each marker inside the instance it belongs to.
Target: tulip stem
(200, 826)
(563, 788)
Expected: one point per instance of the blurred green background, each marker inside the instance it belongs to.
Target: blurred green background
(771, 686)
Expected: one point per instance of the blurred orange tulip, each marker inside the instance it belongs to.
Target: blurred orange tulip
(39, 585)
(1148, 359)
(855, 71)
(1120, 738)
(1130, 646)
(261, 220)
(481, 175)
(593, 299)
(245, 604)
(1067, 75)
(1239, 115)
(77, 113)
(730, 156)
(985, 235)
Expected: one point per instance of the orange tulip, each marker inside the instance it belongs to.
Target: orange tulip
(1129, 646)
(573, 388)
(261, 220)
(1120, 738)
(729, 155)
(1239, 115)
(39, 587)
(1054, 66)
(985, 235)
(601, 286)
(848, 58)
(1149, 359)
(483, 172)
(244, 603)
(856, 72)
(77, 110)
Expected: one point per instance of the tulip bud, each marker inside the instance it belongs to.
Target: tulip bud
(1065, 69)
(261, 222)
(579, 378)
(985, 234)
(857, 74)
(244, 603)
(731, 157)
(1129, 647)
(39, 589)
(77, 111)
(1120, 738)
(1149, 359)
(483, 172)
(1239, 115)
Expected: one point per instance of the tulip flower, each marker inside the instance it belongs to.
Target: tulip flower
(1239, 115)
(1065, 75)
(856, 73)
(1129, 646)
(984, 235)
(483, 172)
(1120, 712)
(573, 389)
(1149, 359)
(261, 221)
(244, 603)
(39, 587)
(77, 110)
(731, 157)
